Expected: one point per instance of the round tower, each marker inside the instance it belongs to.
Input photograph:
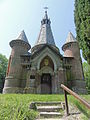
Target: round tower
(73, 58)
(13, 79)
(71, 49)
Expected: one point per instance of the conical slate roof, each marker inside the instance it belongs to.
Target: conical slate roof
(70, 38)
(45, 35)
(22, 36)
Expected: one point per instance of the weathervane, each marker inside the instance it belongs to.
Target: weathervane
(46, 8)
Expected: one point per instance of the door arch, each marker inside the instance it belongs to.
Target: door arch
(46, 84)
(47, 62)
(50, 56)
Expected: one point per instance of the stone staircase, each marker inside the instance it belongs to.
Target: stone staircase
(50, 109)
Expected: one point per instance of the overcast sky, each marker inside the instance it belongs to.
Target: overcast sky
(18, 15)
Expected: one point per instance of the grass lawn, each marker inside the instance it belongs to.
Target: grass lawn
(16, 106)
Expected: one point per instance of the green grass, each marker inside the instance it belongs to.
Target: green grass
(80, 106)
(16, 106)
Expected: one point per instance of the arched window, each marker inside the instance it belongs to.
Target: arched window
(47, 61)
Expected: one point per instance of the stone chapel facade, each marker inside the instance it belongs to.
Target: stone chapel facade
(43, 69)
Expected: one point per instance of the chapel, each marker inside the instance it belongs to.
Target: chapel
(42, 69)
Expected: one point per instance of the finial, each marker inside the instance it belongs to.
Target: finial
(46, 8)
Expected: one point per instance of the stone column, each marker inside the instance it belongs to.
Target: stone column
(55, 83)
(30, 83)
(61, 79)
(38, 83)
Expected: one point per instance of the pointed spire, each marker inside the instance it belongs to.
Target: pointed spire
(70, 38)
(45, 35)
(22, 36)
(46, 16)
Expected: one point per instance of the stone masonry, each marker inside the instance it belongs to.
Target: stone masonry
(44, 69)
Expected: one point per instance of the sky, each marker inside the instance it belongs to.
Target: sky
(18, 15)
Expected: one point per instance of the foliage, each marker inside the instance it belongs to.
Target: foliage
(16, 106)
(86, 68)
(3, 67)
(82, 23)
(80, 106)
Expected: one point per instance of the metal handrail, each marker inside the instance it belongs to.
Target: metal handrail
(66, 89)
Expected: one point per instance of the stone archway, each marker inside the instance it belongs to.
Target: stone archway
(50, 56)
(46, 72)
(47, 62)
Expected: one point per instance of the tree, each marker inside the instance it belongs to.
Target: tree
(82, 23)
(3, 67)
(86, 68)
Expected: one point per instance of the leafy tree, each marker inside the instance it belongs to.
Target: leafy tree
(86, 68)
(82, 23)
(3, 67)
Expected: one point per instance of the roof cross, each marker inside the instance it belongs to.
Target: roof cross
(46, 8)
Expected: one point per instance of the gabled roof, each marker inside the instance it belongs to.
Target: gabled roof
(22, 36)
(45, 35)
(42, 48)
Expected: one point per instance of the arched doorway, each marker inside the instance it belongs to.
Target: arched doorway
(46, 83)
(46, 68)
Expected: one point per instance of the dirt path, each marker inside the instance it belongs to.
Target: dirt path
(75, 114)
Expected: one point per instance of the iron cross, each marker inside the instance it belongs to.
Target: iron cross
(46, 8)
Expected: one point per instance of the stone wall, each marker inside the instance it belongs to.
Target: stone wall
(14, 79)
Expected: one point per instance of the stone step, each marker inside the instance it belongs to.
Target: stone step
(48, 103)
(48, 108)
(50, 119)
(50, 114)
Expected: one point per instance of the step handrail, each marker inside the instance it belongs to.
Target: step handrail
(66, 89)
